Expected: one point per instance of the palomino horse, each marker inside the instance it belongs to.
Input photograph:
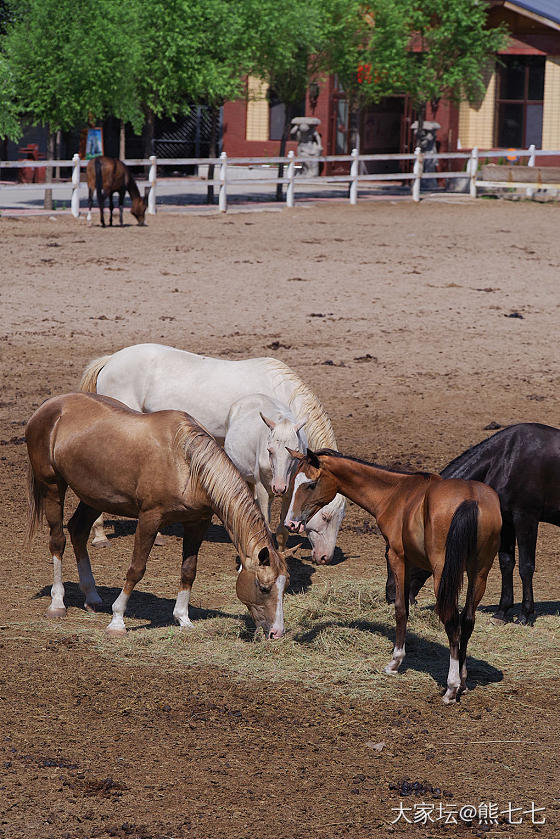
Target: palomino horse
(522, 463)
(259, 433)
(447, 526)
(161, 468)
(107, 175)
(152, 377)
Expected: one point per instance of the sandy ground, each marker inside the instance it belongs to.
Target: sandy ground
(399, 317)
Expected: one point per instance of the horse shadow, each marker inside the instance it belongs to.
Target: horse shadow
(422, 654)
(543, 608)
(155, 610)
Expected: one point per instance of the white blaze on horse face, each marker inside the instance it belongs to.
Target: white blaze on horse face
(300, 480)
(277, 628)
(282, 437)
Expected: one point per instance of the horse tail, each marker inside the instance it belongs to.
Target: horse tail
(460, 545)
(35, 505)
(98, 178)
(88, 382)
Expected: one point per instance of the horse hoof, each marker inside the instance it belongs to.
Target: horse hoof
(160, 540)
(93, 607)
(390, 671)
(449, 700)
(115, 631)
(100, 542)
(499, 617)
(525, 620)
(56, 612)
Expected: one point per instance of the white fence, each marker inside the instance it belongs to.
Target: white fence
(74, 187)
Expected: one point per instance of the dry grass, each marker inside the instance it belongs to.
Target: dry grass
(339, 637)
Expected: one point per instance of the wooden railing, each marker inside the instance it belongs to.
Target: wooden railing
(222, 177)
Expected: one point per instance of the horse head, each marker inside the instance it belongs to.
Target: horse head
(314, 487)
(261, 583)
(281, 436)
(139, 206)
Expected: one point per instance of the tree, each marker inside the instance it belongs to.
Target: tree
(429, 49)
(288, 50)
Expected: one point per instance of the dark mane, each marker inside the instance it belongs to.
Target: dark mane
(333, 453)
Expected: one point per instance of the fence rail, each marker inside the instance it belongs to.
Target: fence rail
(222, 172)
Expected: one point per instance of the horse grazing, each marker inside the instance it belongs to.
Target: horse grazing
(257, 444)
(161, 468)
(152, 377)
(445, 526)
(107, 175)
(522, 464)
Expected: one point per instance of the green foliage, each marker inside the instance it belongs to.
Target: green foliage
(427, 48)
(9, 123)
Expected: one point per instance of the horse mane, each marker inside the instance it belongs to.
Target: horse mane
(333, 453)
(212, 469)
(319, 428)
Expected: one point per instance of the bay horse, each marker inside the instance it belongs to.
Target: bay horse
(522, 464)
(444, 526)
(106, 175)
(160, 468)
(152, 377)
(259, 431)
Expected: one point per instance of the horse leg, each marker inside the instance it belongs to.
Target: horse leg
(121, 202)
(282, 531)
(54, 512)
(101, 201)
(110, 209)
(192, 539)
(390, 587)
(526, 529)
(402, 590)
(99, 538)
(264, 501)
(506, 556)
(78, 528)
(453, 629)
(148, 524)
(90, 205)
(475, 592)
(418, 577)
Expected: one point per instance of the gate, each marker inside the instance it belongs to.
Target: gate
(186, 136)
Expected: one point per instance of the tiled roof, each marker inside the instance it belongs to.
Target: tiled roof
(546, 8)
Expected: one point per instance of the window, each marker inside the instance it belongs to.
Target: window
(519, 102)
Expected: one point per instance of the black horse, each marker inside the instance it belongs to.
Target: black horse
(522, 463)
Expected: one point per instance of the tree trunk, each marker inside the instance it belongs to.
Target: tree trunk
(283, 142)
(213, 152)
(48, 202)
(122, 141)
(58, 153)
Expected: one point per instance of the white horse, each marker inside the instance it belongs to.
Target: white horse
(152, 377)
(259, 432)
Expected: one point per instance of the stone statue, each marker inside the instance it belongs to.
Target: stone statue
(304, 130)
(426, 139)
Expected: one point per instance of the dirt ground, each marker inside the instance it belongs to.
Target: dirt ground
(417, 326)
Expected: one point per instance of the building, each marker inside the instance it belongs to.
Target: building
(521, 105)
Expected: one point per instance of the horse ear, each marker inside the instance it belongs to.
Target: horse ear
(264, 556)
(296, 454)
(301, 423)
(271, 424)
(313, 460)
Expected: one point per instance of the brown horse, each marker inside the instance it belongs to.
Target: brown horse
(445, 526)
(160, 468)
(107, 175)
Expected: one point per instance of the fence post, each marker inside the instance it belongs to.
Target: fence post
(290, 175)
(152, 177)
(354, 167)
(222, 195)
(75, 199)
(418, 169)
(529, 192)
(473, 163)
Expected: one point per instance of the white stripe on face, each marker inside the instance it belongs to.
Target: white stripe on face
(301, 478)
